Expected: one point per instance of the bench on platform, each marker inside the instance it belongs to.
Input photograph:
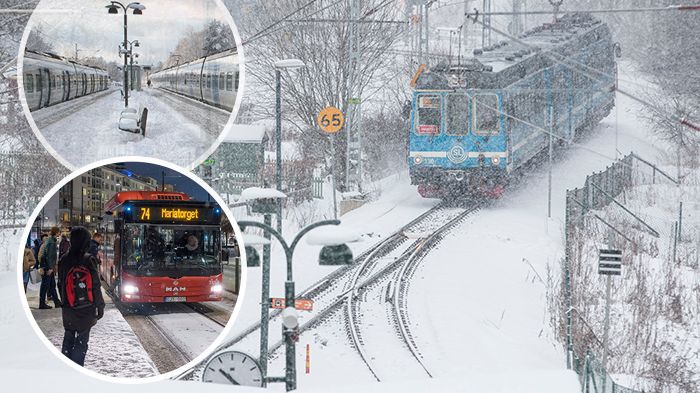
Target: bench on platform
(134, 120)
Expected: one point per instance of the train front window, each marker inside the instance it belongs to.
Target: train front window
(486, 114)
(428, 117)
(157, 250)
(457, 121)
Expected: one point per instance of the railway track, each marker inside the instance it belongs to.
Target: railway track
(395, 277)
(331, 293)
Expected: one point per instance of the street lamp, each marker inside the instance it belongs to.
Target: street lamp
(288, 64)
(290, 320)
(113, 8)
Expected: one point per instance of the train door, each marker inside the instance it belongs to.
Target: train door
(65, 85)
(45, 87)
(84, 77)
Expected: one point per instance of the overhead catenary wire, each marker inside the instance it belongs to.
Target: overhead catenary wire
(593, 11)
(558, 59)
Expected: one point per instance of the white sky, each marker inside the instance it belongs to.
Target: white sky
(97, 33)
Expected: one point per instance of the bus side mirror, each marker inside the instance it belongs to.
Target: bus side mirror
(224, 257)
(118, 224)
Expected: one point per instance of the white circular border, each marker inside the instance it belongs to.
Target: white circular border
(222, 134)
(125, 380)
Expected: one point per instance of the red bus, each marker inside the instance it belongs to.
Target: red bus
(162, 247)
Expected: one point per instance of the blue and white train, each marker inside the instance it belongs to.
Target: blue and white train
(473, 125)
(211, 79)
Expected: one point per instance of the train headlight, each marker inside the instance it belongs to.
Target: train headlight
(495, 160)
(418, 160)
(217, 288)
(129, 289)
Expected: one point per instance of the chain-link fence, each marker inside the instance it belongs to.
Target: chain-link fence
(600, 189)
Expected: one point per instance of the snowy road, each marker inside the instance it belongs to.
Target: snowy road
(178, 129)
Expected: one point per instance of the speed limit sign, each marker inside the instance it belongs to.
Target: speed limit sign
(330, 119)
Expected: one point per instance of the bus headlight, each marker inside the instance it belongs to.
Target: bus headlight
(418, 160)
(129, 289)
(217, 288)
(495, 160)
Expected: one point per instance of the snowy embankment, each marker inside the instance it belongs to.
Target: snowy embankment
(92, 133)
(655, 307)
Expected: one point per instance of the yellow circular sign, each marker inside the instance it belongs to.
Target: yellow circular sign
(330, 119)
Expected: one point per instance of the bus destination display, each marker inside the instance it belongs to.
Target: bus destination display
(171, 214)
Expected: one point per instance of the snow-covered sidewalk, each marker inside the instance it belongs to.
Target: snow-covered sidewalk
(92, 133)
(114, 349)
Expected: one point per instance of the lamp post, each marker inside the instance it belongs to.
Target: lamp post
(335, 254)
(132, 44)
(288, 64)
(113, 8)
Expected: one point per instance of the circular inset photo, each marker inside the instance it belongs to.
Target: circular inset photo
(132, 270)
(157, 78)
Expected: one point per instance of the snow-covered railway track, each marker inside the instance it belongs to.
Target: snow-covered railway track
(330, 293)
(46, 116)
(389, 285)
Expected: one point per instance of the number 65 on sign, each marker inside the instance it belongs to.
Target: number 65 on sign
(330, 120)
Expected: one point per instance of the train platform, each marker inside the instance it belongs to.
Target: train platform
(114, 349)
(86, 130)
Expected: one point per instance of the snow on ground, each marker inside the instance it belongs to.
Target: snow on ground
(114, 349)
(92, 133)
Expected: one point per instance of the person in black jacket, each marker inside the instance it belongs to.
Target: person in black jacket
(47, 262)
(77, 322)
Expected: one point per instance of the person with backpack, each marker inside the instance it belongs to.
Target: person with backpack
(83, 304)
(47, 264)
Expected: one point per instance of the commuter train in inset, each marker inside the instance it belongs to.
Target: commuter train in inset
(473, 125)
(212, 79)
(50, 79)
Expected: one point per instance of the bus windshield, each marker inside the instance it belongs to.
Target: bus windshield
(171, 250)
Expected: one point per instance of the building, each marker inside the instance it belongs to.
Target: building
(80, 202)
(238, 162)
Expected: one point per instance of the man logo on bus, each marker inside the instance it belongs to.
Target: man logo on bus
(175, 289)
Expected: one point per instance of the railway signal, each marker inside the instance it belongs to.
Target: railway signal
(299, 304)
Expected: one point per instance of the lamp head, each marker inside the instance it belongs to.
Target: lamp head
(335, 255)
(252, 257)
(112, 9)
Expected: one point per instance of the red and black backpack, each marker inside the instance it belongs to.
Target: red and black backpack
(79, 287)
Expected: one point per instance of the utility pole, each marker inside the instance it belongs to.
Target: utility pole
(516, 26)
(353, 146)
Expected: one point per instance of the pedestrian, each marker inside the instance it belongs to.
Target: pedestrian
(63, 245)
(37, 245)
(82, 295)
(95, 244)
(47, 262)
(28, 264)
(148, 82)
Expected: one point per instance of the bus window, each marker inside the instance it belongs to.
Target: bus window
(229, 81)
(428, 117)
(28, 83)
(485, 114)
(457, 121)
(154, 250)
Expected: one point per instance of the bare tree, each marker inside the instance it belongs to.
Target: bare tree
(319, 34)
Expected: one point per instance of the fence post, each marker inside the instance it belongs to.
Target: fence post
(680, 219)
(567, 282)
